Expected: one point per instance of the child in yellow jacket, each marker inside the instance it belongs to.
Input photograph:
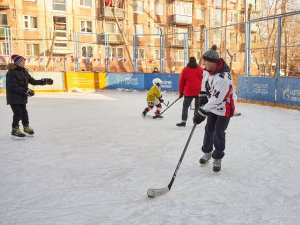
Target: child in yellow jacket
(154, 98)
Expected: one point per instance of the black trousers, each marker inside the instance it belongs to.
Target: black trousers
(186, 104)
(20, 113)
(215, 135)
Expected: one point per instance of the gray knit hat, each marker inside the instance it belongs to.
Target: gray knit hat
(212, 55)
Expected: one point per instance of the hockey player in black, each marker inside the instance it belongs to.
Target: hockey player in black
(17, 92)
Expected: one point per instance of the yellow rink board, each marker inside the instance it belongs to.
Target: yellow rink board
(87, 81)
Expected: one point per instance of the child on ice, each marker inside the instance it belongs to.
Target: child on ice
(154, 98)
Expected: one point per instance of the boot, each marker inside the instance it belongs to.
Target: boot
(17, 132)
(217, 165)
(28, 130)
(205, 158)
(182, 124)
(144, 113)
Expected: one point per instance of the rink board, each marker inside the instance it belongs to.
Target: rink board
(276, 91)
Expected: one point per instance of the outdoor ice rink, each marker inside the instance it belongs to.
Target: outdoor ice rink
(93, 157)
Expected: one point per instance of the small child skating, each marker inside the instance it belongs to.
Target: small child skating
(154, 98)
(17, 92)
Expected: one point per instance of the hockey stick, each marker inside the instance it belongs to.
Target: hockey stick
(153, 192)
(166, 104)
(169, 106)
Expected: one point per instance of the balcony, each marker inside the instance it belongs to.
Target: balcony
(108, 12)
(182, 19)
(179, 43)
(112, 39)
(4, 4)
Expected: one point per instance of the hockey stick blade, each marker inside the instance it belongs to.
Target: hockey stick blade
(153, 192)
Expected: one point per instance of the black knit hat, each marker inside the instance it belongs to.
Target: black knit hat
(212, 55)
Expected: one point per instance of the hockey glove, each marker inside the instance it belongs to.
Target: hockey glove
(161, 100)
(199, 116)
(203, 98)
(47, 81)
(29, 92)
(180, 95)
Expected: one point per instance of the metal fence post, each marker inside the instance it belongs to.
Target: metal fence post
(135, 53)
(162, 52)
(185, 48)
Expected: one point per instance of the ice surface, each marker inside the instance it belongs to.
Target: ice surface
(93, 157)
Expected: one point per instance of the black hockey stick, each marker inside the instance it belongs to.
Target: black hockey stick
(153, 192)
(169, 106)
(166, 104)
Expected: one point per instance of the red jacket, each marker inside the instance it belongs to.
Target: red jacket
(190, 81)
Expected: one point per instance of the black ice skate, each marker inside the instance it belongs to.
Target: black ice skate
(28, 130)
(144, 114)
(157, 116)
(217, 165)
(205, 158)
(182, 124)
(16, 132)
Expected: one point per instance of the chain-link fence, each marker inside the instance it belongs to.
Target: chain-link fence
(266, 47)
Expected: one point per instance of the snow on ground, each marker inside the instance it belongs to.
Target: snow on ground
(94, 157)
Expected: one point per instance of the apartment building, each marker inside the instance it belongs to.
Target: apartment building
(119, 35)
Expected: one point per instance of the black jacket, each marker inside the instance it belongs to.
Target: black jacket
(17, 80)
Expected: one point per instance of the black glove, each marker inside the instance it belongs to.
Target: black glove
(180, 95)
(29, 92)
(161, 100)
(199, 116)
(203, 98)
(47, 81)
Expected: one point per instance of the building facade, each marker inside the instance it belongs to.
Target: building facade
(122, 36)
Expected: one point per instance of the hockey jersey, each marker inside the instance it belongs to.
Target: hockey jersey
(220, 91)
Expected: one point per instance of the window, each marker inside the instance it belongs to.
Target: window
(138, 7)
(87, 51)
(233, 38)
(32, 49)
(139, 29)
(157, 54)
(179, 55)
(218, 37)
(157, 31)
(59, 5)
(218, 3)
(233, 57)
(60, 26)
(233, 17)
(198, 56)
(30, 22)
(86, 26)
(111, 27)
(200, 14)
(3, 19)
(86, 3)
(198, 34)
(117, 52)
(3, 48)
(183, 8)
(218, 17)
(159, 9)
(179, 35)
(141, 54)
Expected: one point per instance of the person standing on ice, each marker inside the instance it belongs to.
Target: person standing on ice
(217, 100)
(189, 87)
(154, 98)
(17, 92)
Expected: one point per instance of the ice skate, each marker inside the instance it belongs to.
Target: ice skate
(28, 130)
(205, 158)
(182, 124)
(217, 165)
(17, 134)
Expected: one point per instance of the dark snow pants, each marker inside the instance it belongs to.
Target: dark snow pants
(186, 104)
(20, 113)
(215, 135)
